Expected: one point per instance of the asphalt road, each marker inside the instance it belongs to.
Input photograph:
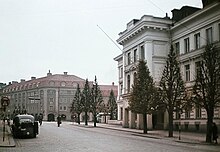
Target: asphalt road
(72, 138)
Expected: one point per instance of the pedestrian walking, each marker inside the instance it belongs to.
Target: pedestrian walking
(215, 132)
(40, 118)
(58, 121)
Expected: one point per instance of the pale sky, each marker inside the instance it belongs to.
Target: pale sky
(62, 35)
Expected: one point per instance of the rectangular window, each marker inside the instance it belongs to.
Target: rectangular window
(121, 72)
(129, 58)
(187, 114)
(135, 55)
(51, 100)
(121, 89)
(198, 112)
(186, 45)
(142, 53)
(187, 72)
(177, 48)
(209, 35)
(128, 83)
(197, 40)
(51, 108)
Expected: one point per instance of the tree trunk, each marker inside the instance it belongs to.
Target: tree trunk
(209, 125)
(86, 117)
(94, 117)
(170, 113)
(78, 118)
(145, 123)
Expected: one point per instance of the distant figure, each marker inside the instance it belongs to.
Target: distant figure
(58, 121)
(215, 132)
(8, 121)
(40, 118)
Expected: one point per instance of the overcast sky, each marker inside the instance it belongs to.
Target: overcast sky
(62, 35)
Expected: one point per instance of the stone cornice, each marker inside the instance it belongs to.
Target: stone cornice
(145, 23)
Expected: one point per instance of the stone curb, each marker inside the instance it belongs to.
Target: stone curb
(149, 135)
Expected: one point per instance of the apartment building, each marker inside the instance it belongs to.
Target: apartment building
(150, 38)
(50, 96)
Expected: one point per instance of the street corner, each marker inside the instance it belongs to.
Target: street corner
(8, 141)
(6, 138)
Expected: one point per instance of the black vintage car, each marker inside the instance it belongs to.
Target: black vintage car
(24, 126)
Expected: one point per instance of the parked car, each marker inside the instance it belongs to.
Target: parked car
(24, 125)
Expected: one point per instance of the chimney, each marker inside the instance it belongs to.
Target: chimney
(22, 80)
(33, 78)
(65, 73)
(207, 2)
(49, 74)
(13, 82)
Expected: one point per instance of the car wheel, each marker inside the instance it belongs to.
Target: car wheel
(34, 135)
(15, 134)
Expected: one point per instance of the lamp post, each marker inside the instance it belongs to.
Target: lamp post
(4, 102)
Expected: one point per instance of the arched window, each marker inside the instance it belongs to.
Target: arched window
(128, 83)
(52, 83)
(63, 84)
(135, 76)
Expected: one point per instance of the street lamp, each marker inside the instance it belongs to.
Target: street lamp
(4, 102)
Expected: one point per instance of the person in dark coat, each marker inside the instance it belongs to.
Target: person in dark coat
(215, 132)
(40, 119)
(58, 121)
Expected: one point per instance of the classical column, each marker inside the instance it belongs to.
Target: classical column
(149, 122)
(139, 121)
(125, 118)
(132, 117)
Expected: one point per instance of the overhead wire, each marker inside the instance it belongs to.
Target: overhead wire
(194, 32)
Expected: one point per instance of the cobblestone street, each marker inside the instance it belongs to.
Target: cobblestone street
(70, 137)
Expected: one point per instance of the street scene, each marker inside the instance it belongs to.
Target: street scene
(81, 138)
(110, 76)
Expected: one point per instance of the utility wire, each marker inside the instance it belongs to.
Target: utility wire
(180, 23)
(109, 37)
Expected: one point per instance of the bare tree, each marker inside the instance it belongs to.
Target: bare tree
(206, 89)
(172, 87)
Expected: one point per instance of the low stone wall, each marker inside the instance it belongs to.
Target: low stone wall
(114, 122)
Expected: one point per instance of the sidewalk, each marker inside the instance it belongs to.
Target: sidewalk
(184, 137)
(8, 140)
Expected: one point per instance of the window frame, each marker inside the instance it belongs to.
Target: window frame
(187, 72)
(186, 45)
(142, 52)
(177, 48)
(209, 35)
(197, 41)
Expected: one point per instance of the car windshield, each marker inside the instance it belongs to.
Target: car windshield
(25, 120)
